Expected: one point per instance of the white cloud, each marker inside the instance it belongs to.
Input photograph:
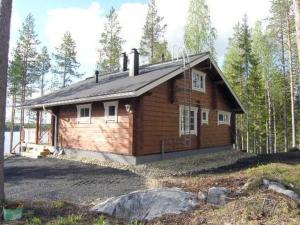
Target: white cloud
(132, 18)
(86, 24)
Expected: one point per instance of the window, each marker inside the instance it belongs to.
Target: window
(111, 111)
(188, 120)
(224, 117)
(204, 114)
(84, 113)
(198, 80)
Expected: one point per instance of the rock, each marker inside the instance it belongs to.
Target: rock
(202, 196)
(280, 188)
(149, 204)
(217, 195)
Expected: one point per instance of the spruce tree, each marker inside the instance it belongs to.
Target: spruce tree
(66, 64)
(199, 34)
(153, 45)
(111, 44)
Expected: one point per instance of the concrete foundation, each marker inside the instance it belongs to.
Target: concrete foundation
(135, 160)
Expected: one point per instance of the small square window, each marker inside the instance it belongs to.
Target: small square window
(224, 117)
(111, 111)
(198, 81)
(84, 113)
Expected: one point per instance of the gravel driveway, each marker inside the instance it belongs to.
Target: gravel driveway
(54, 179)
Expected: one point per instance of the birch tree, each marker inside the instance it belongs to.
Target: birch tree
(199, 34)
(5, 17)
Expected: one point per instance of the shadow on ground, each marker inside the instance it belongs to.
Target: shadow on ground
(254, 161)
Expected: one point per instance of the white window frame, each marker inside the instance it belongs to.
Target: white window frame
(199, 74)
(206, 111)
(109, 118)
(84, 119)
(225, 114)
(182, 131)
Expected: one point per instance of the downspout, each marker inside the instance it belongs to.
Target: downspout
(55, 126)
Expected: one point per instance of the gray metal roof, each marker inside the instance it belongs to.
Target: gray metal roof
(120, 85)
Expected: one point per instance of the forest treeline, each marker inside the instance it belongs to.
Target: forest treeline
(261, 65)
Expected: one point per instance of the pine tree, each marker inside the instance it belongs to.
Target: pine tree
(27, 49)
(66, 64)
(43, 67)
(15, 73)
(111, 44)
(153, 45)
(282, 25)
(199, 34)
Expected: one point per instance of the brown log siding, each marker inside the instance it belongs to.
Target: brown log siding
(97, 135)
(161, 118)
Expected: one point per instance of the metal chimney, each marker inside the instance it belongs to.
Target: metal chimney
(124, 62)
(96, 76)
(134, 63)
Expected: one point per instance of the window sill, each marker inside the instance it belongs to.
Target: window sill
(84, 121)
(223, 123)
(199, 90)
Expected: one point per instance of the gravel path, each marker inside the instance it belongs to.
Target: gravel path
(54, 179)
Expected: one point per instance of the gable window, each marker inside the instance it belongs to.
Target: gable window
(84, 113)
(198, 80)
(111, 111)
(188, 120)
(224, 117)
(204, 116)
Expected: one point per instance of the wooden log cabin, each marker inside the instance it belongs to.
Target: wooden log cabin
(144, 113)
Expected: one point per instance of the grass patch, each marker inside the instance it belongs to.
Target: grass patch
(284, 173)
(69, 220)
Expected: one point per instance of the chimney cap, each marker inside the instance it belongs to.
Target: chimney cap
(135, 50)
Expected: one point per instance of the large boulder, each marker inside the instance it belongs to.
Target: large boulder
(217, 196)
(280, 188)
(148, 204)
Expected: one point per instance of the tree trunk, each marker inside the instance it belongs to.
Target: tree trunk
(285, 89)
(12, 120)
(297, 21)
(5, 16)
(291, 83)
(274, 128)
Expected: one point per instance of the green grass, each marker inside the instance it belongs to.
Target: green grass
(34, 221)
(287, 174)
(100, 221)
(69, 220)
